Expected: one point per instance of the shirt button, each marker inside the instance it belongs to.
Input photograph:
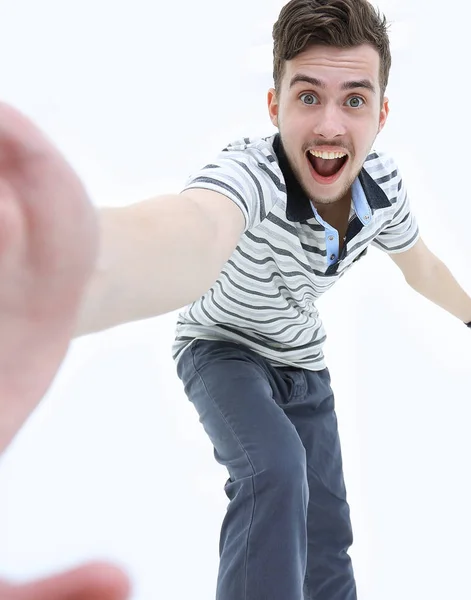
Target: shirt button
(333, 257)
(367, 217)
(331, 238)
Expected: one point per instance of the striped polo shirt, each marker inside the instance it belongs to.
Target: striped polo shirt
(287, 257)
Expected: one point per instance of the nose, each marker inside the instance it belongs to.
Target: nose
(329, 122)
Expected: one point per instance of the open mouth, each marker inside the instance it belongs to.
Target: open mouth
(326, 167)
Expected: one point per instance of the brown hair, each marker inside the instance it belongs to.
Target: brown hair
(340, 23)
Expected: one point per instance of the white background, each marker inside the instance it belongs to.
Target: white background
(114, 463)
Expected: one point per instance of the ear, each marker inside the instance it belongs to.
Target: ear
(273, 106)
(383, 115)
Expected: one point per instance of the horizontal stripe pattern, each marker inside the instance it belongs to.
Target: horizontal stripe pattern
(265, 297)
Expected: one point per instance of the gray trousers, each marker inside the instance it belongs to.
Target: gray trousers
(287, 529)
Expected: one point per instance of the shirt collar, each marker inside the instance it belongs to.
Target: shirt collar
(366, 193)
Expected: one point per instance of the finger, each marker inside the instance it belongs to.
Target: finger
(96, 581)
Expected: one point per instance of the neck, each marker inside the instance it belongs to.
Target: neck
(338, 207)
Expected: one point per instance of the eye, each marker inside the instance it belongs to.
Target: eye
(310, 99)
(357, 101)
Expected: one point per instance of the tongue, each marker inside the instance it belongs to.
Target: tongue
(327, 167)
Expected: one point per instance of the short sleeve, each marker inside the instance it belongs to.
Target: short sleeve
(400, 232)
(248, 173)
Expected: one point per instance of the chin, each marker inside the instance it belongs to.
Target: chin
(325, 194)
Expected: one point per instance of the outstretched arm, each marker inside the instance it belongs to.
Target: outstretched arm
(158, 255)
(153, 257)
(431, 278)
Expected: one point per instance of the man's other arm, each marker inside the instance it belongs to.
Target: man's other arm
(431, 278)
(158, 255)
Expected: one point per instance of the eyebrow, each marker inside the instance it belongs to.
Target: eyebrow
(347, 85)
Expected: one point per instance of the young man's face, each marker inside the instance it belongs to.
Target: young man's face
(329, 101)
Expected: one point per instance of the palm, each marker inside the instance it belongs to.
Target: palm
(48, 242)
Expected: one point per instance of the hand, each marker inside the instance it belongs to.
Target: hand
(96, 581)
(48, 246)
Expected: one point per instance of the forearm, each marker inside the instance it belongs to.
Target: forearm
(153, 260)
(441, 288)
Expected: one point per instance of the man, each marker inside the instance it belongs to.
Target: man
(249, 245)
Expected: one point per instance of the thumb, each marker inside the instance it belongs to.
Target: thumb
(19, 136)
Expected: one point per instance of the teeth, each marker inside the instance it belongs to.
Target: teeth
(327, 155)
